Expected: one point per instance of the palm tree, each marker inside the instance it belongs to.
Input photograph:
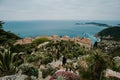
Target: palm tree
(8, 62)
(99, 64)
(92, 64)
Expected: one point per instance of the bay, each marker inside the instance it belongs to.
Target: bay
(51, 27)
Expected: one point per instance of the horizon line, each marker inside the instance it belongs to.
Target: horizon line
(62, 20)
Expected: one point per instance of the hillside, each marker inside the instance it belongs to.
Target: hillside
(7, 37)
(112, 33)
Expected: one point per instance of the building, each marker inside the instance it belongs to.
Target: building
(84, 42)
(24, 41)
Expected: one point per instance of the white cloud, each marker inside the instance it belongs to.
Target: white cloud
(59, 9)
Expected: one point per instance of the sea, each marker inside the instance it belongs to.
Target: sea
(60, 27)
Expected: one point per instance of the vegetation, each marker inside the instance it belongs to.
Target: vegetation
(80, 64)
(9, 62)
(29, 70)
(93, 64)
(65, 76)
(112, 33)
(90, 63)
(48, 71)
(27, 48)
(115, 52)
(66, 48)
(6, 37)
(39, 41)
(1, 24)
(33, 58)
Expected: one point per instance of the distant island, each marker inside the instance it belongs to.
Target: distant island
(79, 23)
(98, 24)
(93, 23)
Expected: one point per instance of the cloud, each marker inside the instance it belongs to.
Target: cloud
(59, 9)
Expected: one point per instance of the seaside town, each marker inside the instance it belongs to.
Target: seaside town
(58, 58)
(59, 39)
(84, 42)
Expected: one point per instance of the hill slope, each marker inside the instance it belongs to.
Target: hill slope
(7, 37)
(112, 33)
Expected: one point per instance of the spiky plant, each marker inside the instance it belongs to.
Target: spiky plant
(93, 64)
(8, 62)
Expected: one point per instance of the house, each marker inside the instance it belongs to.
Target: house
(65, 38)
(84, 42)
(24, 41)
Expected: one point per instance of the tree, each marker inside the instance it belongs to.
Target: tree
(93, 64)
(1, 24)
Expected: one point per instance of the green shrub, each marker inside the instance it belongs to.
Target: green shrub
(69, 55)
(34, 71)
(33, 58)
(29, 70)
(47, 59)
(40, 40)
(48, 71)
(61, 77)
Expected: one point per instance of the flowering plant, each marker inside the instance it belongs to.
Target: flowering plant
(66, 75)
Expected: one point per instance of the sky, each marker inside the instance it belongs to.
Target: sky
(59, 9)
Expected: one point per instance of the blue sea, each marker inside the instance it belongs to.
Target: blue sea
(51, 27)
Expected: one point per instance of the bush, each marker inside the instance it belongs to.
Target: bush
(40, 40)
(29, 70)
(48, 71)
(47, 59)
(69, 55)
(33, 58)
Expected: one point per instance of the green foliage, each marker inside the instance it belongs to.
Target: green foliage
(115, 52)
(48, 71)
(113, 32)
(8, 62)
(22, 48)
(67, 48)
(47, 59)
(61, 77)
(69, 55)
(40, 40)
(7, 37)
(1, 24)
(29, 70)
(92, 65)
(33, 58)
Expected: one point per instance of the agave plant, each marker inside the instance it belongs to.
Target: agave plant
(8, 62)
